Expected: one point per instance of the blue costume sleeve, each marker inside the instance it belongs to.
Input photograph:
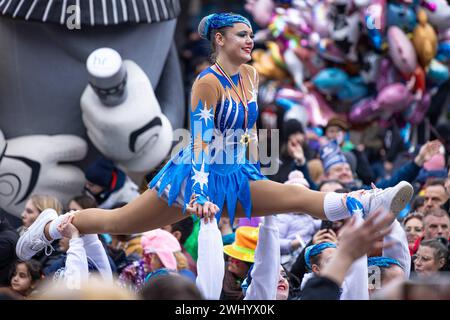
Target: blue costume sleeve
(203, 104)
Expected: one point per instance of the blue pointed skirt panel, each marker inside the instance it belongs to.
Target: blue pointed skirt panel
(227, 183)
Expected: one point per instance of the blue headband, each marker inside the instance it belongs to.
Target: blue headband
(219, 20)
(314, 250)
(384, 262)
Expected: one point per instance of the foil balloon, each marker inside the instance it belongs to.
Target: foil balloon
(402, 16)
(318, 109)
(374, 17)
(418, 110)
(298, 112)
(266, 66)
(440, 17)
(365, 110)
(424, 39)
(289, 93)
(295, 67)
(352, 90)
(370, 69)
(401, 51)
(444, 51)
(394, 98)
(312, 62)
(328, 50)
(330, 80)
(419, 80)
(437, 72)
(345, 29)
(261, 11)
(387, 74)
(320, 19)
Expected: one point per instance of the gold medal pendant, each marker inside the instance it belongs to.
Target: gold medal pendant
(245, 139)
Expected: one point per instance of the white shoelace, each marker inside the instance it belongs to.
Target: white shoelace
(38, 244)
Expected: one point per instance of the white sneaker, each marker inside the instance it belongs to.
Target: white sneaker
(33, 240)
(393, 199)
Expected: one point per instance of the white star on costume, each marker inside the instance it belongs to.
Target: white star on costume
(200, 177)
(205, 114)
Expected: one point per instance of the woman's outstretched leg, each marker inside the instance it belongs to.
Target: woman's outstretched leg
(144, 213)
(269, 197)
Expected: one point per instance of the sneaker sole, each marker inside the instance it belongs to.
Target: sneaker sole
(40, 222)
(402, 197)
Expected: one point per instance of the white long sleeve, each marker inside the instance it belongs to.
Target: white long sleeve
(266, 270)
(356, 284)
(96, 253)
(210, 262)
(76, 268)
(399, 249)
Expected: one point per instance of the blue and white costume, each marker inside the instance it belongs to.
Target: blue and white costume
(215, 166)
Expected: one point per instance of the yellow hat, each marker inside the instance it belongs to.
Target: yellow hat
(244, 246)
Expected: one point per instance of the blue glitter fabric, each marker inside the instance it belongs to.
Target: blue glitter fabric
(384, 262)
(314, 250)
(221, 20)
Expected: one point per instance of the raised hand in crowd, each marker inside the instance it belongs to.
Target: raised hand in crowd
(427, 151)
(325, 235)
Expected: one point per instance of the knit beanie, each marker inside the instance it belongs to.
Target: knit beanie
(100, 172)
(297, 177)
(331, 154)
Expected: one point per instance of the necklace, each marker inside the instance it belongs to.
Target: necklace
(245, 138)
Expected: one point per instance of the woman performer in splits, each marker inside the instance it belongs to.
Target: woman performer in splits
(214, 174)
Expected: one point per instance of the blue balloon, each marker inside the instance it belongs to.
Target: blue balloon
(437, 72)
(402, 16)
(443, 53)
(353, 90)
(285, 103)
(330, 80)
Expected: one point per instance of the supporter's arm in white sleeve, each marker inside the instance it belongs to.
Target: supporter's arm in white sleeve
(356, 283)
(76, 268)
(399, 249)
(96, 252)
(210, 262)
(266, 269)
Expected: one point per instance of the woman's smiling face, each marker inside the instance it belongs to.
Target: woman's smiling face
(237, 43)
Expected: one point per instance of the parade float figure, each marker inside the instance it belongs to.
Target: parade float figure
(44, 46)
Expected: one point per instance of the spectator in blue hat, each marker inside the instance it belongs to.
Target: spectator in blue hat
(108, 184)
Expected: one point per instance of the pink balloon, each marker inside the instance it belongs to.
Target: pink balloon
(387, 75)
(364, 111)
(261, 10)
(318, 109)
(394, 98)
(401, 51)
(420, 108)
(291, 94)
